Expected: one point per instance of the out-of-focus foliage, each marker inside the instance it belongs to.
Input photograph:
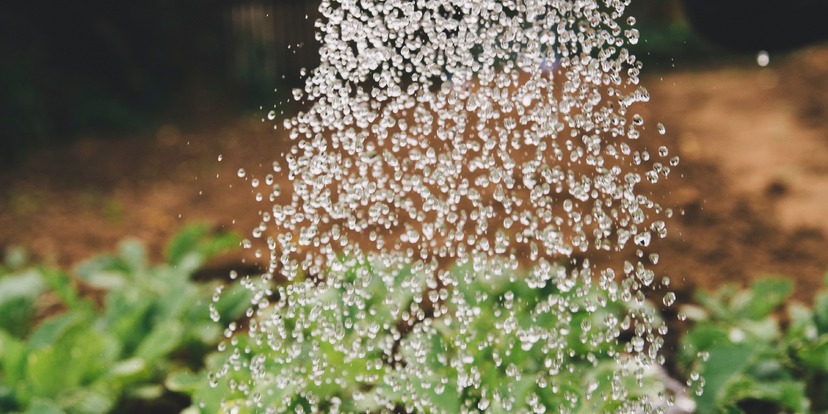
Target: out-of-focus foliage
(96, 356)
(756, 352)
(119, 67)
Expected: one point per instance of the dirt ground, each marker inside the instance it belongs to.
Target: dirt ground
(750, 194)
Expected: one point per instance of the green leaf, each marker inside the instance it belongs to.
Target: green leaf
(814, 355)
(801, 326)
(195, 244)
(724, 363)
(184, 381)
(101, 264)
(147, 392)
(129, 370)
(184, 243)
(51, 330)
(127, 317)
(766, 295)
(164, 338)
(43, 406)
(80, 355)
(12, 359)
(107, 280)
(62, 285)
(17, 295)
(134, 255)
(88, 400)
(717, 304)
(233, 302)
(28, 284)
(821, 311)
(790, 394)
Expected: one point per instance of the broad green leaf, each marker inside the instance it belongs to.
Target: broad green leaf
(128, 370)
(146, 392)
(814, 355)
(107, 280)
(185, 242)
(28, 284)
(62, 285)
(821, 311)
(87, 400)
(725, 362)
(134, 255)
(789, 394)
(234, 301)
(43, 406)
(87, 269)
(702, 337)
(183, 381)
(16, 315)
(766, 295)
(161, 341)
(80, 355)
(54, 328)
(801, 326)
(127, 317)
(195, 244)
(17, 296)
(717, 304)
(12, 359)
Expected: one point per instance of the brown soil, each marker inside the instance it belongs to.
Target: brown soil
(750, 194)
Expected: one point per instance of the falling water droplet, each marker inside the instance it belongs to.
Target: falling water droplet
(669, 298)
(762, 58)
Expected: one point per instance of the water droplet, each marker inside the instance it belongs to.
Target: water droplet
(669, 299)
(762, 58)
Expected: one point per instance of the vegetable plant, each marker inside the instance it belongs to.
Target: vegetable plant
(93, 356)
(414, 370)
(754, 351)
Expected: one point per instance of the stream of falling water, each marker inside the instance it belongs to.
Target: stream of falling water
(460, 163)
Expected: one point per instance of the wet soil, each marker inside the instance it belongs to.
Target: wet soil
(750, 195)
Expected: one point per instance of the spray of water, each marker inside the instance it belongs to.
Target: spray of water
(459, 163)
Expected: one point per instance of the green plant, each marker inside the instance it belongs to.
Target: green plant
(93, 356)
(417, 370)
(752, 354)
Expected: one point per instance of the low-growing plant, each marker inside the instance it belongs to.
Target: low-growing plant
(95, 356)
(753, 351)
(414, 370)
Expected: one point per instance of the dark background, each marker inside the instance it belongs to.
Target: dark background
(109, 68)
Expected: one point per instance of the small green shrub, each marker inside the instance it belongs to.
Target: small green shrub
(91, 358)
(318, 373)
(754, 353)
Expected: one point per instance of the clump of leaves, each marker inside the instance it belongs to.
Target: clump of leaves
(91, 358)
(416, 370)
(752, 353)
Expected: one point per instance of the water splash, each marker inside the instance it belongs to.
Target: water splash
(458, 164)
